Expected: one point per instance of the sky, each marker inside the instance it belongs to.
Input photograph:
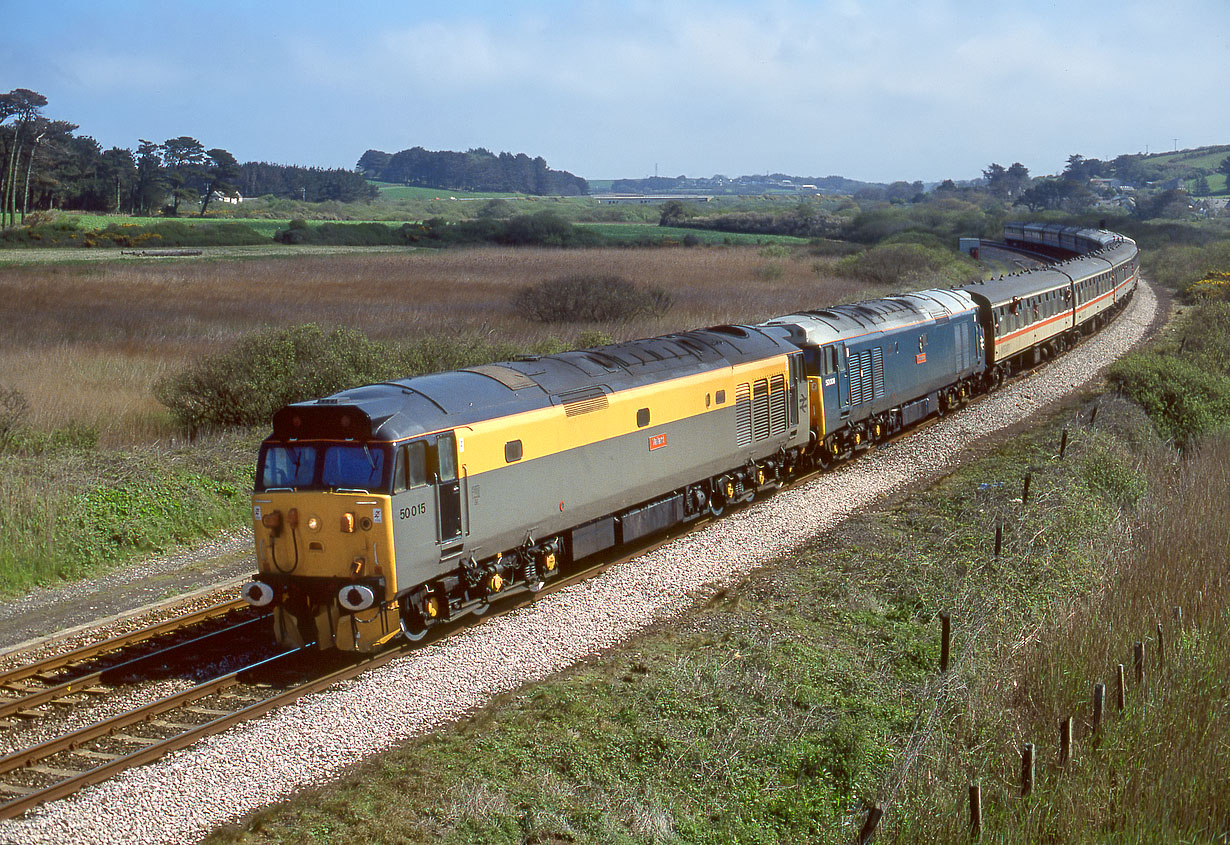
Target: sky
(872, 90)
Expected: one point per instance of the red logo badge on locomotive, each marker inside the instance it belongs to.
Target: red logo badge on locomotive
(920, 358)
(658, 441)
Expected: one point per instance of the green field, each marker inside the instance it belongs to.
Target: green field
(1205, 161)
(389, 191)
(261, 225)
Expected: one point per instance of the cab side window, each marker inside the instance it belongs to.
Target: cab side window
(828, 360)
(411, 470)
(446, 457)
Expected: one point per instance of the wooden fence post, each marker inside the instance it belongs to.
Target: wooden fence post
(1027, 769)
(1025, 488)
(869, 827)
(1063, 443)
(975, 810)
(1065, 740)
(1138, 659)
(945, 637)
(1099, 695)
(1093, 415)
(1161, 647)
(999, 536)
(1119, 694)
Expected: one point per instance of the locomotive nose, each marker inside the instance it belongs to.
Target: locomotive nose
(356, 597)
(257, 593)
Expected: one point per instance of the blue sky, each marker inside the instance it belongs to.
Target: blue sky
(872, 90)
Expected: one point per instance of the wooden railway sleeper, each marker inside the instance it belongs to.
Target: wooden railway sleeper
(62, 774)
(16, 789)
(136, 740)
(94, 755)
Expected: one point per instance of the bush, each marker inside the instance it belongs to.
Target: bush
(907, 264)
(584, 298)
(1183, 400)
(247, 384)
(344, 234)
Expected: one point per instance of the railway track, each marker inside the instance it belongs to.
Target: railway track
(62, 675)
(57, 767)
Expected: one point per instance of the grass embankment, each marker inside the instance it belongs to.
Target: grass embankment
(784, 707)
(69, 510)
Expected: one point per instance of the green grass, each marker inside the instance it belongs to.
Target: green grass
(69, 511)
(262, 226)
(395, 193)
(1206, 161)
(1217, 184)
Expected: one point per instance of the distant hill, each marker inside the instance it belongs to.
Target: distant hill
(473, 170)
(769, 183)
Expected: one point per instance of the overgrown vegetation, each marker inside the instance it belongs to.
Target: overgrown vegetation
(61, 231)
(909, 264)
(585, 298)
(1184, 383)
(73, 510)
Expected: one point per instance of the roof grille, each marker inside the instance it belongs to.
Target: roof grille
(583, 401)
(507, 376)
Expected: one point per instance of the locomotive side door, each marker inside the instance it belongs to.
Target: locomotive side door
(448, 487)
(416, 534)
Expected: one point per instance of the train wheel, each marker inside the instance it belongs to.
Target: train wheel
(412, 631)
(717, 498)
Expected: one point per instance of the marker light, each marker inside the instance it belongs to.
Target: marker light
(257, 593)
(356, 597)
(347, 523)
(313, 523)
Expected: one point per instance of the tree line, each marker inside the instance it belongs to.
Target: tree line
(44, 164)
(474, 170)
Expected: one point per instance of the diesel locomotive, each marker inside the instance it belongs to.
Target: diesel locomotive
(384, 510)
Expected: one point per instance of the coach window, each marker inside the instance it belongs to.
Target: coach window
(642, 418)
(513, 451)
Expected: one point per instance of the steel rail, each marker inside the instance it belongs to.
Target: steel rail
(120, 641)
(80, 684)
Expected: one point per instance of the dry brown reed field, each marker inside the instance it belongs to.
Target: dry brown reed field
(85, 342)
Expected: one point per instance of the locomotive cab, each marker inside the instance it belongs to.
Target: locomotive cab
(322, 513)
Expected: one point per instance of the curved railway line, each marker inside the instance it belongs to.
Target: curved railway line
(54, 768)
(57, 767)
(227, 777)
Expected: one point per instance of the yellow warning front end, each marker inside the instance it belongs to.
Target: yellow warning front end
(325, 565)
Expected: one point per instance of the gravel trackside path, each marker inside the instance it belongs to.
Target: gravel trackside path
(221, 779)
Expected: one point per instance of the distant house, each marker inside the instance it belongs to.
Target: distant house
(232, 198)
(648, 199)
